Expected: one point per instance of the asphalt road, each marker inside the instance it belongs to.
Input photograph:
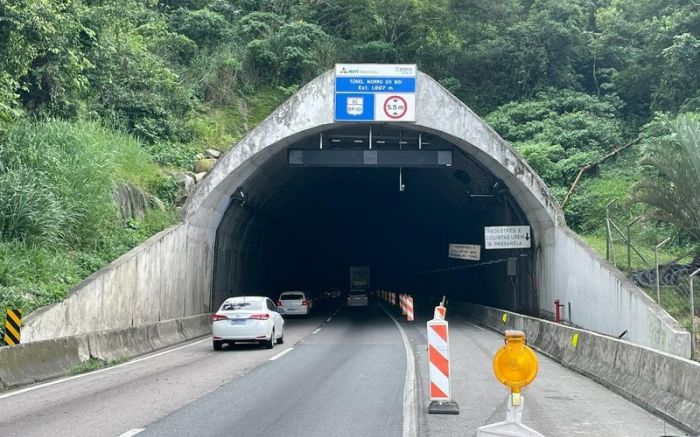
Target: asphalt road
(132, 395)
(338, 374)
(345, 380)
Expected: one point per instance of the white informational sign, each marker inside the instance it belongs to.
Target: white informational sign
(507, 237)
(465, 251)
(375, 92)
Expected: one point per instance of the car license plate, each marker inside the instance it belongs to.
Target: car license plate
(238, 322)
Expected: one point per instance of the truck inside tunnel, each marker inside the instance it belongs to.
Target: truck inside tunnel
(381, 195)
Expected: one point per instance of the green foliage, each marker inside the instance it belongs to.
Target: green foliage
(204, 26)
(56, 180)
(559, 131)
(672, 182)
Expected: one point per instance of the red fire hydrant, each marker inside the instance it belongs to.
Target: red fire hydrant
(557, 315)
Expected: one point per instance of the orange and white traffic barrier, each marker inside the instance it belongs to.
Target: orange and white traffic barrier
(402, 303)
(408, 302)
(439, 366)
(439, 313)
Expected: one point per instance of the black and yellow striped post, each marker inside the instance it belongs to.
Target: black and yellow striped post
(12, 327)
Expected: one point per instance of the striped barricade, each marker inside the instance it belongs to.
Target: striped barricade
(439, 366)
(409, 308)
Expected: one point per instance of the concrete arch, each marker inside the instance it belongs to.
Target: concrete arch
(311, 111)
(172, 274)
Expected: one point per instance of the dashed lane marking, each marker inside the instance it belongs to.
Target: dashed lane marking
(281, 354)
(316, 331)
(132, 432)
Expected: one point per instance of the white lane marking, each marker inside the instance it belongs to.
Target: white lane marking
(329, 319)
(409, 388)
(132, 432)
(316, 331)
(281, 354)
(106, 369)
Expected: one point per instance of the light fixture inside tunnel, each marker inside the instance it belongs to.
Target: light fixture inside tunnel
(238, 197)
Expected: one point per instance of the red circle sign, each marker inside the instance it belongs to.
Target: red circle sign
(395, 107)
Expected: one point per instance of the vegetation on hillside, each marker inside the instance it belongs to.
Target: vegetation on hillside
(94, 93)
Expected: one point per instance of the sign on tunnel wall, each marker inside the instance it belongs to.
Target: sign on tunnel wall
(465, 251)
(375, 92)
(507, 237)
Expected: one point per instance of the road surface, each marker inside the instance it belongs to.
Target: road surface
(340, 373)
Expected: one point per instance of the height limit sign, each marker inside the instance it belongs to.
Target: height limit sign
(395, 107)
(507, 237)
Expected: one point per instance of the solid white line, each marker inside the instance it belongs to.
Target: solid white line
(279, 355)
(409, 389)
(316, 331)
(329, 319)
(106, 369)
(132, 432)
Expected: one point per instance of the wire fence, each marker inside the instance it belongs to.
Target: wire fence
(631, 251)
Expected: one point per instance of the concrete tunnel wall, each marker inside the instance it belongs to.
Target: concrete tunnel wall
(170, 275)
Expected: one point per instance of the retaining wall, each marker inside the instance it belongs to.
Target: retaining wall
(166, 277)
(29, 363)
(666, 385)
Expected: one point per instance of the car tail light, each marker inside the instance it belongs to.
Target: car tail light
(304, 302)
(279, 303)
(263, 316)
(216, 317)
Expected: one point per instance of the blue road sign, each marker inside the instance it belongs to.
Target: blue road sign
(375, 92)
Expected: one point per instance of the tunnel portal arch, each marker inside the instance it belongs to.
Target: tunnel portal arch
(260, 160)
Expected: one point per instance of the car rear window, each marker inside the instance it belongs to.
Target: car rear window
(292, 297)
(242, 304)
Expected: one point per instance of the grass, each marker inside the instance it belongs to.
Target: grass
(666, 254)
(58, 220)
(95, 364)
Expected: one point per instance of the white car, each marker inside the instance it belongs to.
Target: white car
(358, 298)
(247, 318)
(295, 303)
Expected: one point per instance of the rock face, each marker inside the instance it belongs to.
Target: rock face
(185, 185)
(212, 153)
(133, 201)
(204, 165)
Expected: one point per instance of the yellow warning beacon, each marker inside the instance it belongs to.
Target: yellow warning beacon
(515, 364)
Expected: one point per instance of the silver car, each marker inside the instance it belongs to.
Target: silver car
(295, 303)
(358, 298)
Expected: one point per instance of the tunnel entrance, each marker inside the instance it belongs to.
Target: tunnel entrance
(387, 196)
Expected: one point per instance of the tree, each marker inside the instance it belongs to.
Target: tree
(672, 182)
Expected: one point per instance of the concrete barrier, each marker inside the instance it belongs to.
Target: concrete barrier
(119, 344)
(664, 384)
(28, 363)
(164, 334)
(37, 361)
(195, 326)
